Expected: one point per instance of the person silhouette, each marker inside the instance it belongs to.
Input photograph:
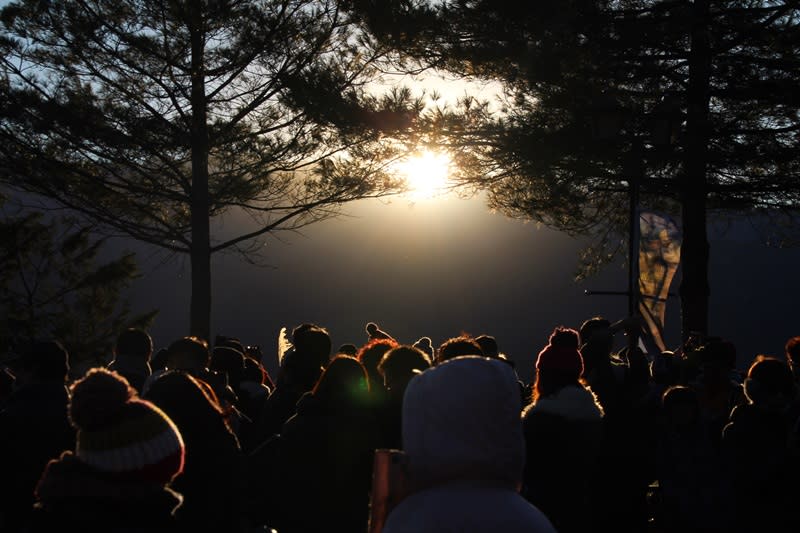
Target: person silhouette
(126, 453)
(35, 427)
(462, 435)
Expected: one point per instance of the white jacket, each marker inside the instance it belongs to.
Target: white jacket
(462, 434)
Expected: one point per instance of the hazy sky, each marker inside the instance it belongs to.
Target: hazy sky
(442, 266)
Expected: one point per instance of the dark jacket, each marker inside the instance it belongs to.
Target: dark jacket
(34, 428)
(756, 441)
(324, 473)
(74, 497)
(564, 438)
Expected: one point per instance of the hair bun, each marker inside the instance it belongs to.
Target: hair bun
(98, 398)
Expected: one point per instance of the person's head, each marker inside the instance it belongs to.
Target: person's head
(189, 354)
(456, 347)
(229, 361)
(45, 361)
(564, 337)
(769, 382)
(596, 333)
(347, 349)
(134, 342)
(159, 359)
(298, 371)
(681, 407)
(716, 358)
(343, 382)
(230, 342)
(313, 342)
(120, 434)
(792, 352)
(665, 368)
(190, 402)
(375, 332)
(461, 422)
(370, 355)
(399, 365)
(488, 345)
(426, 345)
(559, 364)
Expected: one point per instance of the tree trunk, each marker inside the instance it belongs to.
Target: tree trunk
(694, 288)
(200, 317)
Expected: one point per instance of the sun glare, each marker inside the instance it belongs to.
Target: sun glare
(426, 174)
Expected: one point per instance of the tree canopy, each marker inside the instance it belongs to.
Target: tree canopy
(57, 281)
(156, 119)
(696, 102)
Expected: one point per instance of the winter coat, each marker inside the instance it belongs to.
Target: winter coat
(463, 438)
(693, 481)
(564, 438)
(323, 470)
(35, 428)
(765, 471)
(74, 497)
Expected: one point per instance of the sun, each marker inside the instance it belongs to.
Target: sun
(426, 174)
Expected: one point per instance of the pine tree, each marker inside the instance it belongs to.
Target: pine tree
(162, 119)
(696, 103)
(56, 282)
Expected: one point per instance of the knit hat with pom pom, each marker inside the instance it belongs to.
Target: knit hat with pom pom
(561, 353)
(122, 434)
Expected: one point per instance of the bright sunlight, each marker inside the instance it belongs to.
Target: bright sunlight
(426, 174)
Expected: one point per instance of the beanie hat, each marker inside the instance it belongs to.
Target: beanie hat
(121, 434)
(561, 353)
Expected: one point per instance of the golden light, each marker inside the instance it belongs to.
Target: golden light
(426, 174)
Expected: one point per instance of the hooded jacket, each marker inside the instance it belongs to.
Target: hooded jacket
(462, 435)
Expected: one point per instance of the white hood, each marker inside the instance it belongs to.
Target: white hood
(461, 421)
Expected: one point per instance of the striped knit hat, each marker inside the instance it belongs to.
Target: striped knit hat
(121, 434)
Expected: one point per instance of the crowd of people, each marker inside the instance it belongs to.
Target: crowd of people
(200, 437)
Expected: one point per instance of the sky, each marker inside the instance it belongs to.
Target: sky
(442, 266)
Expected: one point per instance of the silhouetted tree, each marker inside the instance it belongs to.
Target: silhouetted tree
(55, 283)
(696, 101)
(159, 118)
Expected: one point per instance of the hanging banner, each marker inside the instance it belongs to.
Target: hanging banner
(659, 256)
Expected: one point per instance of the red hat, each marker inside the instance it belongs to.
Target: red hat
(560, 359)
(121, 434)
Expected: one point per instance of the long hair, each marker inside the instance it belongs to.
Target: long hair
(343, 382)
(190, 402)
